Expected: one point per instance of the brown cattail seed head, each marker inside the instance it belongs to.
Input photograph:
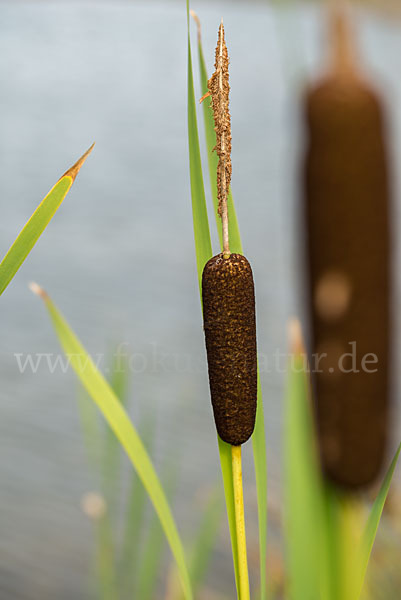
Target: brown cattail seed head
(230, 332)
(347, 220)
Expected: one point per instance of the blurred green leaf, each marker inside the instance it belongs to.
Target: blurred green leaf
(305, 527)
(205, 541)
(134, 521)
(372, 524)
(101, 392)
(105, 559)
(111, 446)
(152, 552)
(332, 530)
(91, 431)
(32, 230)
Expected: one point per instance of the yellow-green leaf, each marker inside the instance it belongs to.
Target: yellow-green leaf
(101, 392)
(372, 524)
(38, 222)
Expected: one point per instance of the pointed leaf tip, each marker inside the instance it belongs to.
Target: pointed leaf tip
(74, 170)
(295, 338)
(197, 21)
(36, 289)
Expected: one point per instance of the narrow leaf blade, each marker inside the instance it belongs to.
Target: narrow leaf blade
(203, 246)
(91, 431)
(304, 500)
(205, 541)
(134, 521)
(372, 524)
(111, 447)
(152, 553)
(38, 222)
(115, 414)
(260, 462)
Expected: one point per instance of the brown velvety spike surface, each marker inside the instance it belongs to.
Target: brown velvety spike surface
(230, 333)
(347, 219)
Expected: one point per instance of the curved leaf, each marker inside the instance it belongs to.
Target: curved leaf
(37, 223)
(113, 411)
(373, 521)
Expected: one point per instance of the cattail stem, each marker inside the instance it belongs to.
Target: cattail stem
(350, 527)
(243, 583)
(342, 47)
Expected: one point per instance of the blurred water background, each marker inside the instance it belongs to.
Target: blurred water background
(119, 258)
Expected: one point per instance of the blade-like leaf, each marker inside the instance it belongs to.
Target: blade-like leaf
(90, 429)
(115, 414)
(32, 230)
(305, 544)
(112, 448)
(260, 462)
(105, 560)
(203, 248)
(258, 437)
(228, 484)
(202, 547)
(342, 529)
(205, 540)
(372, 524)
(104, 567)
(332, 533)
(134, 521)
(152, 553)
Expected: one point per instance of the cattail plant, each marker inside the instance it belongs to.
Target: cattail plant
(346, 209)
(347, 220)
(229, 315)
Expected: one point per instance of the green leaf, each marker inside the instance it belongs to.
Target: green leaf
(36, 224)
(228, 485)
(115, 414)
(104, 567)
(105, 559)
(205, 540)
(203, 246)
(343, 513)
(111, 446)
(258, 437)
(203, 249)
(260, 462)
(152, 552)
(134, 521)
(372, 524)
(305, 527)
(90, 429)
(333, 537)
